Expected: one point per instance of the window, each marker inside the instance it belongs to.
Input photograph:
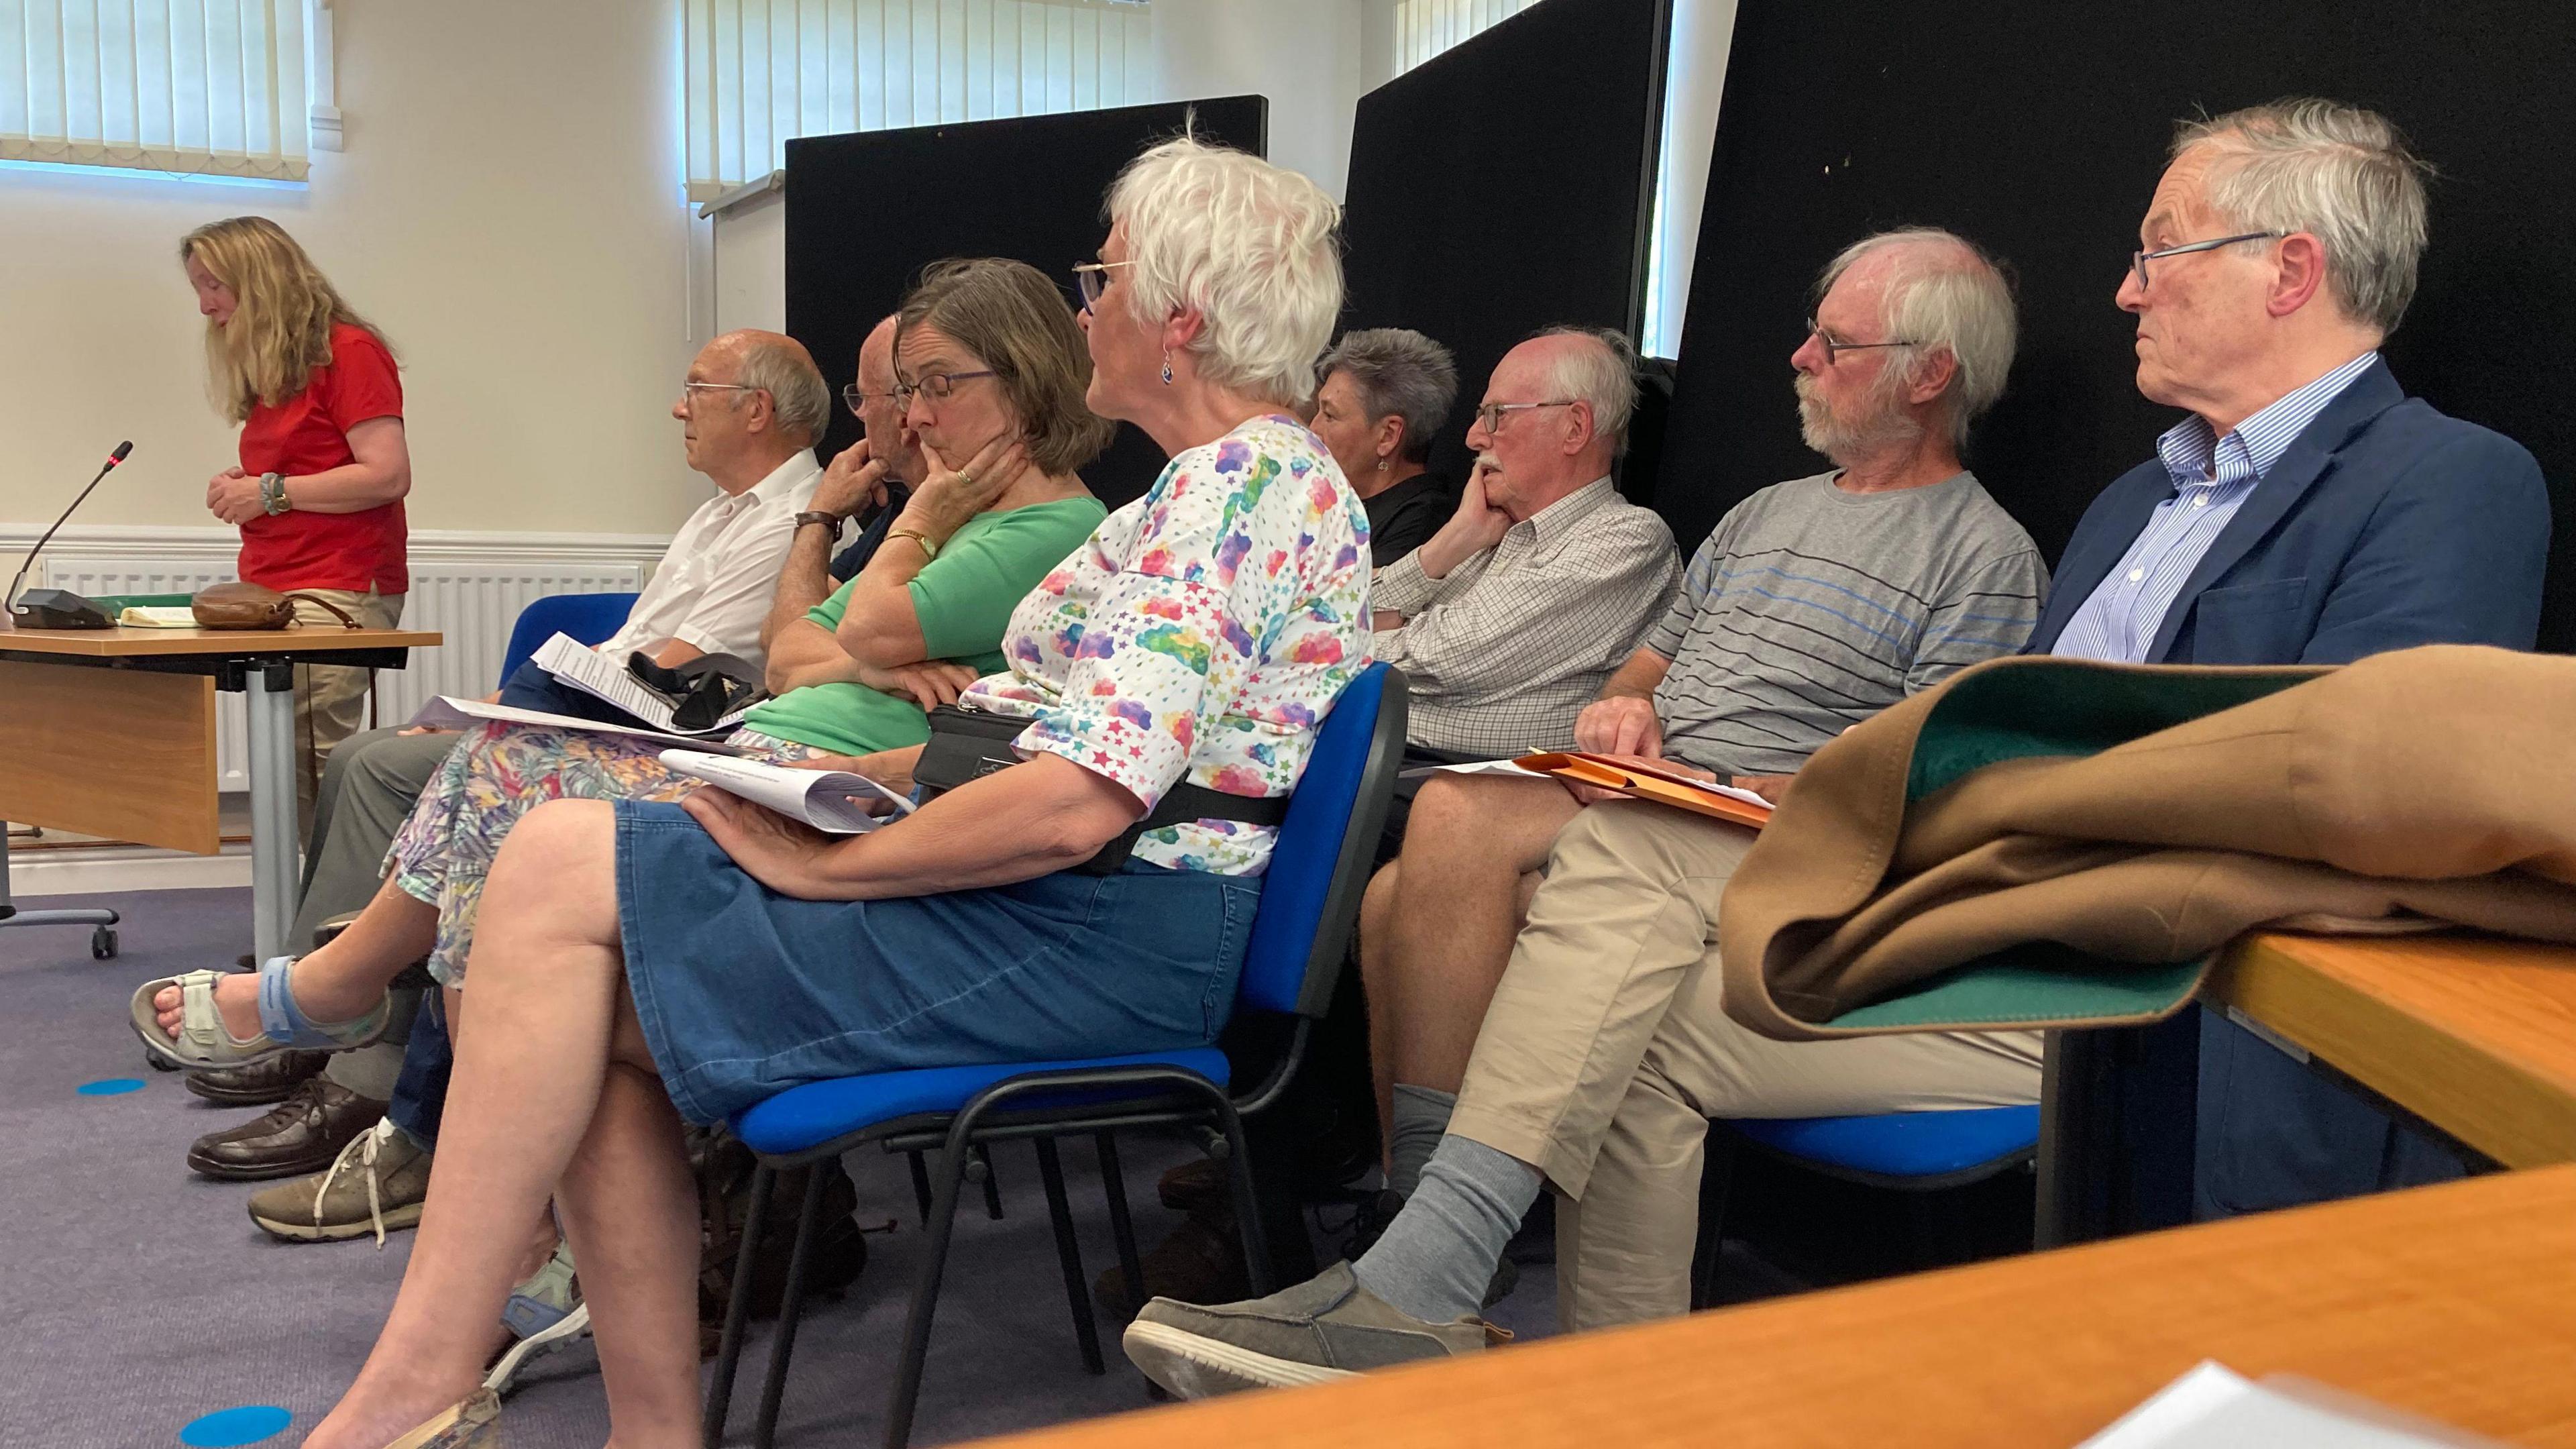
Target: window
(201, 87)
(763, 72)
(1424, 28)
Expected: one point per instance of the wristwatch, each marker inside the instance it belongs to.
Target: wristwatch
(272, 494)
(824, 517)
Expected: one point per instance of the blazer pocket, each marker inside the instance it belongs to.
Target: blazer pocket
(2241, 621)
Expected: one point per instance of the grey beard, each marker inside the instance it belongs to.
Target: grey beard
(1844, 442)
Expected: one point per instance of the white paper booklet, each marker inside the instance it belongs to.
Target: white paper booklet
(2213, 1407)
(447, 712)
(835, 801)
(601, 677)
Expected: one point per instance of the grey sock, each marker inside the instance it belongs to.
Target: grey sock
(1421, 1120)
(1439, 1254)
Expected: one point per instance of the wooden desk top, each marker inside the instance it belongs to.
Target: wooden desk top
(2456, 1302)
(2474, 1034)
(129, 643)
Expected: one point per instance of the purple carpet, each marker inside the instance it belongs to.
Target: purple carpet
(136, 1297)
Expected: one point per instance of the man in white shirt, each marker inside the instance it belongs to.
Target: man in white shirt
(750, 411)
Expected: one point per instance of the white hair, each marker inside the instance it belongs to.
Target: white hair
(1247, 245)
(2339, 173)
(798, 400)
(1603, 377)
(1944, 295)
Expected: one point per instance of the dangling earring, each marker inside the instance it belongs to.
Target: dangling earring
(1167, 367)
(1381, 465)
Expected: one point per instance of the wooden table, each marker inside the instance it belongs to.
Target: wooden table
(2471, 1036)
(111, 732)
(2455, 1302)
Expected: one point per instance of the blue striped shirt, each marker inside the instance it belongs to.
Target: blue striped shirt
(2213, 477)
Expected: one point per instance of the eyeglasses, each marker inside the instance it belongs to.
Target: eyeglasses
(940, 385)
(2138, 260)
(1091, 279)
(1491, 414)
(854, 397)
(1834, 348)
(689, 390)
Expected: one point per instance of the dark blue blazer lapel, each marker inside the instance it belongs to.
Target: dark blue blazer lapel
(2298, 469)
(2124, 509)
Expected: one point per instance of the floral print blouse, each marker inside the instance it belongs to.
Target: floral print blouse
(1202, 631)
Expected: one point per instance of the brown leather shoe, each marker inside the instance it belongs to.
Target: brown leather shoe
(1199, 1183)
(299, 1135)
(272, 1079)
(1201, 1262)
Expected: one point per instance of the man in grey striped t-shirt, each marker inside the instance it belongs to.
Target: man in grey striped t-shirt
(1814, 604)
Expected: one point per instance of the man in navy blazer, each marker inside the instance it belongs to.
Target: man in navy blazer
(2307, 512)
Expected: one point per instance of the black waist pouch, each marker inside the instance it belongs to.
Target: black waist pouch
(968, 744)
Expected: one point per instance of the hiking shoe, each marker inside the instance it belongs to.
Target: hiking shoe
(377, 1185)
(543, 1313)
(1201, 1262)
(1328, 1327)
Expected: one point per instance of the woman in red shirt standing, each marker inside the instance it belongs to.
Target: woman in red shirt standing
(318, 492)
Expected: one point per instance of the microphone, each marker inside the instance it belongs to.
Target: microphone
(61, 608)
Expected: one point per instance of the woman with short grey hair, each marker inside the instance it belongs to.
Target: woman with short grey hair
(1385, 393)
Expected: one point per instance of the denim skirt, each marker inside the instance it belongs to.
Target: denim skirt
(744, 992)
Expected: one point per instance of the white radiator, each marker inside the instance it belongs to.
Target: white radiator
(472, 603)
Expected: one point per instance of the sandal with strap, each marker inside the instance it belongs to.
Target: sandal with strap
(472, 1424)
(204, 1041)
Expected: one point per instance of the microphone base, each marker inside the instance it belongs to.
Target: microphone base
(57, 609)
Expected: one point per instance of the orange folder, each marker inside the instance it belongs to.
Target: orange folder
(1646, 781)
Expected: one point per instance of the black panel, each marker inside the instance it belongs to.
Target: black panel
(2039, 128)
(866, 213)
(1507, 185)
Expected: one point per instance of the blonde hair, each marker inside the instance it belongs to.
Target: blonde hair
(282, 315)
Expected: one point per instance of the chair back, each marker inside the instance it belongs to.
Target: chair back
(588, 618)
(1310, 895)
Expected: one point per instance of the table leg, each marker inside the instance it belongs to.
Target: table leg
(270, 695)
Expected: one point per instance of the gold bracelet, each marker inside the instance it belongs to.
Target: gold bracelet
(929, 550)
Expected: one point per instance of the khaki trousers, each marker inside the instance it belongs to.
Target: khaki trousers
(331, 699)
(1605, 1054)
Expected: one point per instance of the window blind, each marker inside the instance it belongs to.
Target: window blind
(208, 87)
(763, 72)
(1424, 28)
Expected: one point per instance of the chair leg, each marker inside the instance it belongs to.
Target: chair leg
(1086, 1333)
(921, 1186)
(925, 1288)
(1247, 1203)
(1716, 1178)
(764, 1180)
(1121, 1227)
(992, 1183)
(790, 1306)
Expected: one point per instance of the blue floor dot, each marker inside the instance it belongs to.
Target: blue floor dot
(248, 1424)
(111, 1087)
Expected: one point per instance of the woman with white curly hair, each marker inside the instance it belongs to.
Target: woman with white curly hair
(640, 965)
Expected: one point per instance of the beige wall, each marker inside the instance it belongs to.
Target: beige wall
(507, 208)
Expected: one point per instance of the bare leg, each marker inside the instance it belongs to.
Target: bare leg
(340, 981)
(543, 1235)
(631, 1208)
(530, 1097)
(1455, 908)
(1377, 910)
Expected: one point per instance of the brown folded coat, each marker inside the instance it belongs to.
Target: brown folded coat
(2425, 787)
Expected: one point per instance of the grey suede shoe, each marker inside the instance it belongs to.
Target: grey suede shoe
(1328, 1327)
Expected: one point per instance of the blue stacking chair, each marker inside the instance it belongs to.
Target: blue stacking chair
(1310, 897)
(1912, 1152)
(588, 618)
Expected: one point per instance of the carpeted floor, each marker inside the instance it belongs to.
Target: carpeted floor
(136, 1296)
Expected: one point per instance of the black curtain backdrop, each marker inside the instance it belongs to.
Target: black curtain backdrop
(2039, 129)
(1507, 185)
(865, 213)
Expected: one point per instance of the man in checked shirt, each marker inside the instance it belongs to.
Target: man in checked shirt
(1510, 618)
